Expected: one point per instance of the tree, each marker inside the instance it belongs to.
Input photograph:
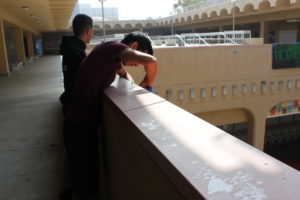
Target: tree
(180, 4)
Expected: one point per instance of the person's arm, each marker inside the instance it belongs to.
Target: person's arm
(131, 57)
(124, 74)
(151, 70)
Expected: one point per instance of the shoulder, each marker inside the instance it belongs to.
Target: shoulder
(109, 48)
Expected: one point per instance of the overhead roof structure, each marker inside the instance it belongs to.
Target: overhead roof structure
(37, 15)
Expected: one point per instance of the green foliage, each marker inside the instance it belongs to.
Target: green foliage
(180, 4)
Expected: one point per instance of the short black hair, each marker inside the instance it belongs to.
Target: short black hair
(142, 39)
(81, 23)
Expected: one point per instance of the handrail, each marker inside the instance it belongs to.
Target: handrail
(181, 40)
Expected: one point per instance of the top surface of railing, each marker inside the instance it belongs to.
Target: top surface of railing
(213, 163)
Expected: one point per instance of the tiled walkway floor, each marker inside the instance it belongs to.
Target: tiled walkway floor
(31, 150)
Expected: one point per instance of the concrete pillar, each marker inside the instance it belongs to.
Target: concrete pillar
(256, 130)
(298, 32)
(19, 35)
(264, 31)
(221, 28)
(30, 44)
(4, 69)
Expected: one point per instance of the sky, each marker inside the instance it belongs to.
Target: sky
(137, 9)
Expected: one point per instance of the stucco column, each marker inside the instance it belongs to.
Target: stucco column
(264, 31)
(4, 69)
(256, 130)
(298, 32)
(19, 35)
(221, 28)
(30, 44)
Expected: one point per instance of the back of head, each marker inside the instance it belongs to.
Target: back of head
(144, 43)
(81, 23)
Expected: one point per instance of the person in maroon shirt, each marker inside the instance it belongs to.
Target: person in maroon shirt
(97, 72)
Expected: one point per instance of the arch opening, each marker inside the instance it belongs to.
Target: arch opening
(249, 8)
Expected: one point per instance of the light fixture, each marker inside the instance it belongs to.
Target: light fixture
(289, 84)
(298, 83)
(181, 95)
(293, 20)
(254, 88)
(272, 86)
(25, 7)
(192, 93)
(263, 86)
(224, 90)
(214, 91)
(234, 90)
(203, 92)
(280, 85)
(169, 94)
(244, 88)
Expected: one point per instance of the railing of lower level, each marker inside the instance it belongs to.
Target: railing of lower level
(188, 39)
(202, 39)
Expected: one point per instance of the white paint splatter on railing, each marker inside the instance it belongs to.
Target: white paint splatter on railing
(241, 185)
(152, 125)
(218, 185)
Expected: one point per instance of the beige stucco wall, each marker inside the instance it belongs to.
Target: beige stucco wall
(183, 71)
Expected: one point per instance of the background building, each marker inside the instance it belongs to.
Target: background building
(110, 13)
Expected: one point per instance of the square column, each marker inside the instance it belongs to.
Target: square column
(264, 31)
(221, 28)
(30, 44)
(4, 69)
(298, 32)
(256, 129)
(19, 36)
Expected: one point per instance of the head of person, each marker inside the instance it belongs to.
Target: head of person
(138, 41)
(83, 27)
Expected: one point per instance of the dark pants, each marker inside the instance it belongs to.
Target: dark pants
(81, 145)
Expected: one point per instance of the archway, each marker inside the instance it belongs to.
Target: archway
(223, 12)
(213, 14)
(249, 8)
(233, 121)
(128, 26)
(265, 5)
(282, 135)
(117, 26)
(204, 16)
(196, 17)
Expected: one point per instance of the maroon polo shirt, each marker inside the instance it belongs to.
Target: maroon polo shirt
(96, 72)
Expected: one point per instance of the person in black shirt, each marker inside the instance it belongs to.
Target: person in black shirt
(72, 49)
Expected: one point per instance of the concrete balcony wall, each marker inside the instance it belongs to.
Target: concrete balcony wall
(155, 150)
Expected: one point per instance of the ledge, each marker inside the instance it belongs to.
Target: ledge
(200, 160)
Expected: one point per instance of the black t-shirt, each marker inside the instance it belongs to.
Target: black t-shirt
(73, 51)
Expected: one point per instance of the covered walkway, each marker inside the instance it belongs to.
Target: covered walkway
(31, 150)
